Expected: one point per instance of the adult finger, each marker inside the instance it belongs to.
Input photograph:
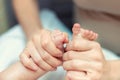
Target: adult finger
(27, 61)
(53, 61)
(35, 55)
(76, 75)
(52, 49)
(40, 62)
(82, 65)
(46, 57)
(47, 44)
(86, 55)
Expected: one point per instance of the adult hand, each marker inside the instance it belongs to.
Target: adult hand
(85, 65)
(84, 59)
(44, 50)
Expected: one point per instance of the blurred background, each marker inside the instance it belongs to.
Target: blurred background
(3, 17)
(63, 9)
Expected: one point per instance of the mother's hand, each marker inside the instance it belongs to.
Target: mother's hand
(85, 65)
(44, 50)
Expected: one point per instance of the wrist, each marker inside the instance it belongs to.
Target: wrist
(107, 71)
(34, 32)
(112, 70)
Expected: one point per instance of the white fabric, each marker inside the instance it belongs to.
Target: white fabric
(13, 42)
(11, 45)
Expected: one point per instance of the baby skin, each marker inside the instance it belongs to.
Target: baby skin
(83, 59)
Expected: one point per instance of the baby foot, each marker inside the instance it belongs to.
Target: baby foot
(81, 39)
(80, 32)
(59, 39)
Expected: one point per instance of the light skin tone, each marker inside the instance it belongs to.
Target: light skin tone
(28, 16)
(19, 72)
(49, 53)
(81, 60)
(78, 54)
(88, 53)
(33, 29)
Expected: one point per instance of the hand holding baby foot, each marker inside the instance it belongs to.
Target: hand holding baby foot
(81, 37)
(84, 59)
(44, 50)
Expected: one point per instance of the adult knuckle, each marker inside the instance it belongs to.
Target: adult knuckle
(45, 43)
(22, 56)
(96, 58)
